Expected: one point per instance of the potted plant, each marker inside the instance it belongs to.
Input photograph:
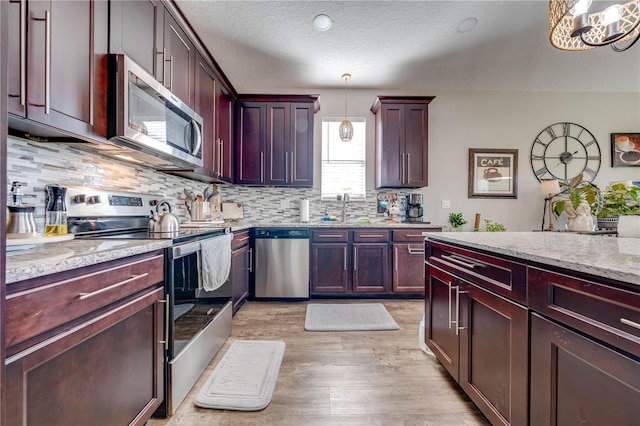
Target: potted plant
(572, 193)
(456, 221)
(490, 226)
(618, 200)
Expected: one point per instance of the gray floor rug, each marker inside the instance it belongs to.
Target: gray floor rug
(245, 377)
(349, 317)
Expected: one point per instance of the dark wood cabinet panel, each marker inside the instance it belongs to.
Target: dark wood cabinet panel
(402, 141)
(370, 267)
(224, 133)
(106, 371)
(440, 330)
(275, 133)
(329, 263)
(240, 268)
(179, 62)
(576, 380)
(204, 105)
(493, 354)
(408, 268)
(136, 30)
(251, 133)
(58, 74)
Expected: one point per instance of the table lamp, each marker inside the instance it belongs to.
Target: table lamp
(549, 188)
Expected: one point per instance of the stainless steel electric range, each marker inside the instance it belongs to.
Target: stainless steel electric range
(198, 321)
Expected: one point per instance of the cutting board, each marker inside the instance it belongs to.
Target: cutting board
(232, 211)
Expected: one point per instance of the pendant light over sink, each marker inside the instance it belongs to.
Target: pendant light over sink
(346, 128)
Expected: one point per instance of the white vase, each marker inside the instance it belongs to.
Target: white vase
(629, 226)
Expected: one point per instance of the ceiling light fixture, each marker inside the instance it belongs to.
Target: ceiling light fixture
(322, 22)
(346, 128)
(572, 27)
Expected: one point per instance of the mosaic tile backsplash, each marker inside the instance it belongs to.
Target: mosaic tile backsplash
(39, 164)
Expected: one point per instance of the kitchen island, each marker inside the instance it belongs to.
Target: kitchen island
(538, 327)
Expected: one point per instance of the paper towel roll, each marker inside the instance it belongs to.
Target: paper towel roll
(304, 210)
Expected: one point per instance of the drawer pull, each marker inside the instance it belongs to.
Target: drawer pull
(414, 235)
(243, 239)
(459, 262)
(329, 236)
(630, 323)
(83, 296)
(371, 236)
(414, 250)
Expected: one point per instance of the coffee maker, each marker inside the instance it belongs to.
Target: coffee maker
(414, 208)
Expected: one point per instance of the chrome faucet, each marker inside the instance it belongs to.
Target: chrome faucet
(345, 199)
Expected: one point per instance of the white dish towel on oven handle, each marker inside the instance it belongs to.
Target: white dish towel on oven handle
(215, 261)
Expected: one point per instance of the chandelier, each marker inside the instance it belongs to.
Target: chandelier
(346, 128)
(572, 27)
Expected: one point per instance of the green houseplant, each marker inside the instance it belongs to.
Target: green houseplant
(617, 200)
(456, 221)
(573, 192)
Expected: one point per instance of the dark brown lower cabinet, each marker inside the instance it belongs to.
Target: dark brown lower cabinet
(408, 268)
(240, 268)
(481, 339)
(329, 268)
(105, 371)
(578, 381)
(370, 267)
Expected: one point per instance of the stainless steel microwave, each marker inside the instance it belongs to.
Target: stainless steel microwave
(146, 122)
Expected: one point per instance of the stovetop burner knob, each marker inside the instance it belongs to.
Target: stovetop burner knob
(80, 198)
(93, 199)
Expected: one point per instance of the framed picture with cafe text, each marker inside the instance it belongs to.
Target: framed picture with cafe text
(625, 149)
(493, 173)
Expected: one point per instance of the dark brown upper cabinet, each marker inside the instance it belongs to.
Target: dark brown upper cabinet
(274, 140)
(136, 29)
(402, 141)
(57, 73)
(179, 61)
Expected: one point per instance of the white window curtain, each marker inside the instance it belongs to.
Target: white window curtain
(343, 163)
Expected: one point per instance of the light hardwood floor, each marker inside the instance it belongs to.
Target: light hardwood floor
(341, 378)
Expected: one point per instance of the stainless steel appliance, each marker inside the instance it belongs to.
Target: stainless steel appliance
(198, 322)
(147, 122)
(282, 263)
(414, 208)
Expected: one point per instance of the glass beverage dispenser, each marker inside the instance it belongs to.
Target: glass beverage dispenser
(56, 214)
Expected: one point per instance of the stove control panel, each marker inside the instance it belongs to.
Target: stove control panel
(97, 202)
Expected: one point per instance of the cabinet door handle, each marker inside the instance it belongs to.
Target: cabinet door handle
(408, 165)
(286, 167)
(83, 296)
(23, 51)
(250, 260)
(262, 167)
(47, 61)
(395, 258)
(166, 321)
(293, 167)
(458, 261)
(450, 289)
(414, 250)
(345, 259)
(220, 159)
(458, 292)
(402, 177)
(630, 323)
(164, 54)
(355, 258)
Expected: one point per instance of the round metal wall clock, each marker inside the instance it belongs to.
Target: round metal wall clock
(564, 150)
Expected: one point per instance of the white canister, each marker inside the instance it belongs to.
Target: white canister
(304, 210)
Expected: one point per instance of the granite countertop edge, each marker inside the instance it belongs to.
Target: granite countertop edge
(601, 256)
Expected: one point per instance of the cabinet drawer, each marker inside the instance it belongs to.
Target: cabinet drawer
(502, 276)
(240, 239)
(330, 235)
(371, 236)
(407, 235)
(607, 313)
(37, 310)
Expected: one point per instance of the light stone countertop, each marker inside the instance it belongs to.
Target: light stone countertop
(50, 258)
(45, 259)
(602, 256)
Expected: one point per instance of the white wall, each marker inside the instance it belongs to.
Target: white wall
(462, 120)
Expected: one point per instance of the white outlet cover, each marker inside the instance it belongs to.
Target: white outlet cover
(446, 204)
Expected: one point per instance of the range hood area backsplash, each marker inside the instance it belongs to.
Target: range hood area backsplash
(40, 164)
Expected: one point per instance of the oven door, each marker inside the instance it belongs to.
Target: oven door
(199, 321)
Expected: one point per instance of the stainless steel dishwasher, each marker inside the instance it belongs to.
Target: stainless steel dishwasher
(282, 263)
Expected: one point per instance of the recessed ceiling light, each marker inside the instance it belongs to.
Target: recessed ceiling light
(322, 22)
(467, 25)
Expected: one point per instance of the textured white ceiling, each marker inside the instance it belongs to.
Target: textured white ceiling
(271, 46)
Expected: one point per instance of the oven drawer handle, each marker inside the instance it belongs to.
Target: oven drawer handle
(182, 251)
(630, 323)
(415, 250)
(83, 296)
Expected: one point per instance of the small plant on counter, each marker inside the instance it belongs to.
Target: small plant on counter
(620, 200)
(456, 221)
(572, 193)
(490, 226)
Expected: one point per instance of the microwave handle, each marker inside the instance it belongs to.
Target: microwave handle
(198, 137)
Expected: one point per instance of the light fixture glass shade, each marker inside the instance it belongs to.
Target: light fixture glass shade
(581, 6)
(346, 131)
(549, 187)
(570, 30)
(322, 22)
